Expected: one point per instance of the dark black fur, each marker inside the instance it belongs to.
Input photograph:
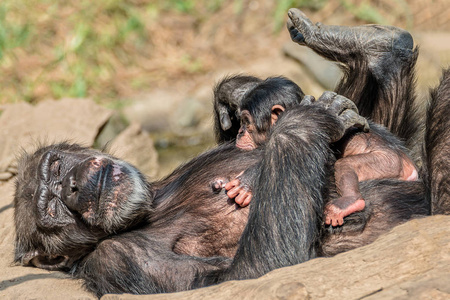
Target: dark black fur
(177, 230)
(437, 146)
(260, 100)
(169, 239)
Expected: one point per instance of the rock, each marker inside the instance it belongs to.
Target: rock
(24, 126)
(115, 125)
(5, 176)
(410, 262)
(249, 289)
(325, 72)
(189, 113)
(135, 146)
(154, 110)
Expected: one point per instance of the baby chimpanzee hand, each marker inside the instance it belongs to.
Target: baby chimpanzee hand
(240, 191)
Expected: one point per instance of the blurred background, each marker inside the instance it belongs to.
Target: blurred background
(156, 62)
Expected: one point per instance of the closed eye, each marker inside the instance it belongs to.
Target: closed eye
(55, 168)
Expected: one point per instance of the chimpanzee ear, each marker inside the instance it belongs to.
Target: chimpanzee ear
(276, 112)
(45, 261)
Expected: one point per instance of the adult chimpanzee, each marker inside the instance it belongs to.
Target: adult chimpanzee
(86, 212)
(362, 156)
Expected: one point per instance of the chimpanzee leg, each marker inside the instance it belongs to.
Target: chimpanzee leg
(347, 184)
(156, 271)
(378, 63)
(437, 147)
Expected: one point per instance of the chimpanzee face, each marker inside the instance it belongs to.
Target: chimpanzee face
(68, 197)
(248, 137)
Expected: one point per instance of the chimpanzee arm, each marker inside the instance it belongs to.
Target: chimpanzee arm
(378, 64)
(228, 94)
(141, 264)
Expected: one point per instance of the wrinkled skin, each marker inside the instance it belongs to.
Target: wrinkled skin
(74, 190)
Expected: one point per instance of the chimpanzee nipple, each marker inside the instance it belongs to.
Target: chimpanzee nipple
(217, 185)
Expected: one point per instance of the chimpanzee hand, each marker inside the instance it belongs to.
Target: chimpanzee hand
(227, 99)
(239, 190)
(341, 107)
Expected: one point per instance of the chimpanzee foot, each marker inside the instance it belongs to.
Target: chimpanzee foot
(338, 209)
(342, 107)
(342, 43)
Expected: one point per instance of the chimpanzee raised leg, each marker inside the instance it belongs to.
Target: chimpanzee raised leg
(378, 63)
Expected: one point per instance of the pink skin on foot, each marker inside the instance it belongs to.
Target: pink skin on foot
(338, 209)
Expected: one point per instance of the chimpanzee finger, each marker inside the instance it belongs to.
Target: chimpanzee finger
(326, 99)
(334, 223)
(363, 124)
(217, 185)
(308, 100)
(299, 26)
(231, 184)
(234, 192)
(224, 118)
(350, 118)
(247, 200)
(341, 103)
(296, 36)
(240, 199)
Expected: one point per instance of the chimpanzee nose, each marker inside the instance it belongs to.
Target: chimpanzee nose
(70, 190)
(72, 183)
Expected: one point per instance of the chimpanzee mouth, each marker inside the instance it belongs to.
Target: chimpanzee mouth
(91, 185)
(102, 176)
(104, 183)
(113, 183)
(119, 192)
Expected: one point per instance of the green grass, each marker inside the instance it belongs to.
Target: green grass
(111, 49)
(364, 11)
(74, 47)
(283, 6)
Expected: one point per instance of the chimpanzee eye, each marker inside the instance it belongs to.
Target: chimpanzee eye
(55, 168)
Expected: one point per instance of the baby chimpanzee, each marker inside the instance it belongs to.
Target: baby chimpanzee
(361, 154)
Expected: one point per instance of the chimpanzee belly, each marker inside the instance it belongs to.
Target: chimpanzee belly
(216, 232)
